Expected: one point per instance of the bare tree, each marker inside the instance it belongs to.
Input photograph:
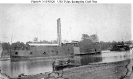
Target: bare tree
(85, 36)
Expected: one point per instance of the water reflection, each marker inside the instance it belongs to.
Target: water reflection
(86, 59)
(15, 68)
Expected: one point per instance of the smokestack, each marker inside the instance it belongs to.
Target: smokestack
(59, 31)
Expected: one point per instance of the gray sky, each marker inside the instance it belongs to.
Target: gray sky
(26, 21)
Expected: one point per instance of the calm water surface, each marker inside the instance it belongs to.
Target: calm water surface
(15, 68)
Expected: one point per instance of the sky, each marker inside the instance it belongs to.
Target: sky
(24, 22)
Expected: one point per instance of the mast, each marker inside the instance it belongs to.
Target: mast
(59, 31)
(11, 38)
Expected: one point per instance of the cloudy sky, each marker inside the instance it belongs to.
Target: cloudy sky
(23, 22)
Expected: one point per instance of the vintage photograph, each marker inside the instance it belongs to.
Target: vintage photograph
(66, 41)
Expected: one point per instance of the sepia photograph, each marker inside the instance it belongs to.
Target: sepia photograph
(66, 41)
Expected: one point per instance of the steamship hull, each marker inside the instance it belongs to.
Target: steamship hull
(49, 52)
(42, 52)
(17, 58)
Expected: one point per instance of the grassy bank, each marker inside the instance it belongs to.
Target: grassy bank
(113, 70)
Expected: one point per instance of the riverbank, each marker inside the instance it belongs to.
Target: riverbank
(113, 70)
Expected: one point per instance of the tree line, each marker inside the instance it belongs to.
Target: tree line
(86, 43)
(18, 45)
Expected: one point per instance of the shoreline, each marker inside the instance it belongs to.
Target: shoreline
(114, 70)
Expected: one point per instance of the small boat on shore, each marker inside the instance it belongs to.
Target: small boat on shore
(60, 65)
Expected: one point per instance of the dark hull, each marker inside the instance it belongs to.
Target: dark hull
(96, 53)
(21, 58)
(61, 67)
(49, 57)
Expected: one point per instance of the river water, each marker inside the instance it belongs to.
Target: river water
(31, 67)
